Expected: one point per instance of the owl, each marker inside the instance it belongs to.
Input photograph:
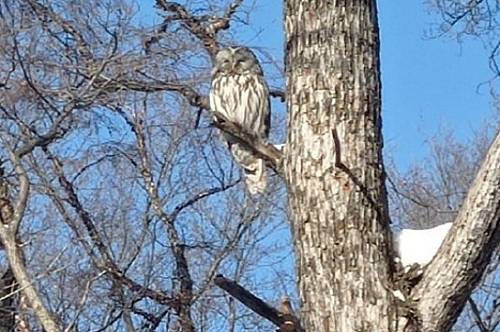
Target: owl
(240, 93)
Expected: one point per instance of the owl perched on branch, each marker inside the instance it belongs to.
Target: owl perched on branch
(240, 93)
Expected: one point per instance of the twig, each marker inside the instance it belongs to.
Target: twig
(477, 316)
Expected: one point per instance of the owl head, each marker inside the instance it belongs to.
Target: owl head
(236, 61)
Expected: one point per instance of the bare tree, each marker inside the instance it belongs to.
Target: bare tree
(121, 207)
(110, 171)
(476, 19)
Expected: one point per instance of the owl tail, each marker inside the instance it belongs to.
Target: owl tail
(255, 177)
(253, 167)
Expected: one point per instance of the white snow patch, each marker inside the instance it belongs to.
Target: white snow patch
(399, 295)
(279, 146)
(419, 245)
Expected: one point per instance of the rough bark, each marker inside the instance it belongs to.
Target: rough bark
(467, 250)
(334, 167)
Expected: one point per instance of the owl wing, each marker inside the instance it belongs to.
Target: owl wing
(262, 109)
(243, 99)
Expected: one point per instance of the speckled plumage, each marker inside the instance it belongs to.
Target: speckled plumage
(240, 93)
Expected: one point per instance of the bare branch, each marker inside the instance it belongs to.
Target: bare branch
(466, 252)
(265, 150)
(24, 189)
(8, 235)
(8, 286)
(278, 318)
(199, 197)
(222, 23)
(477, 316)
(181, 264)
(192, 23)
(108, 263)
(43, 140)
(44, 12)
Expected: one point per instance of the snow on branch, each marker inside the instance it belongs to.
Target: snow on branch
(419, 246)
(466, 252)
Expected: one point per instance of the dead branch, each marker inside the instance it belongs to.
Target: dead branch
(285, 320)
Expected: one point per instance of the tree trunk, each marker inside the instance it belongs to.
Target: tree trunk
(334, 165)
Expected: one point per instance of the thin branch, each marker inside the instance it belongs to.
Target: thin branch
(192, 96)
(222, 23)
(44, 12)
(108, 263)
(192, 23)
(477, 316)
(199, 197)
(181, 264)
(44, 140)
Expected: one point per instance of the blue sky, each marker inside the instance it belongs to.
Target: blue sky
(427, 83)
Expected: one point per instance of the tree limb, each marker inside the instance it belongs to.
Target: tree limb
(265, 150)
(466, 251)
(285, 319)
(8, 236)
(192, 23)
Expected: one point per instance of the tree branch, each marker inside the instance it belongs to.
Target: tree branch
(192, 23)
(266, 151)
(182, 272)
(285, 319)
(222, 23)
(466, 251)
(108, 264)
(8, 236)
(477, 316)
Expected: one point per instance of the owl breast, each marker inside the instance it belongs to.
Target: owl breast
(243, 99)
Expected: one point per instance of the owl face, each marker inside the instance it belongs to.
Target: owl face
(236, 61)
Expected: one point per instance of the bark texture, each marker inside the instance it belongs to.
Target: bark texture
(334, 165)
